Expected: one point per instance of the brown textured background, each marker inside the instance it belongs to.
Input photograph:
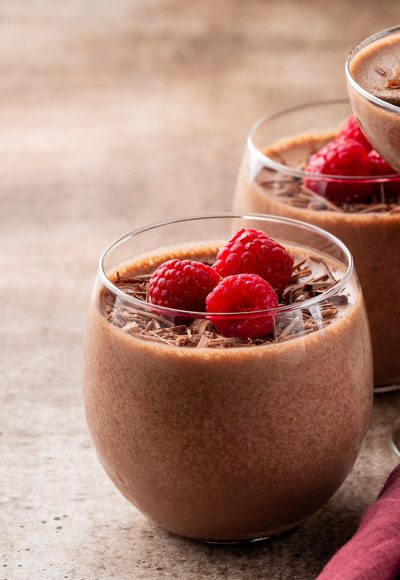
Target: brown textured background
(112, 115)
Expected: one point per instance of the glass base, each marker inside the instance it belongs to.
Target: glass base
(387, 388)
(251, 540)
(396, 438)
(234, 542)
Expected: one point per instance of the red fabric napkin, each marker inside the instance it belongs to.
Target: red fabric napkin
(373, 553)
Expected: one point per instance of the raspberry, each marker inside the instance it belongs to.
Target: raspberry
(378, 165)
(340, 158)
(352, 130)
(250, 251)
(243, 293)
(182, 284)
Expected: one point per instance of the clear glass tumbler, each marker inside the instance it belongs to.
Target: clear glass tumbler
(273, 180)
(227, 439)
(379, 116)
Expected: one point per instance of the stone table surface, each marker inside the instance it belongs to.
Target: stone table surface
(113, 115)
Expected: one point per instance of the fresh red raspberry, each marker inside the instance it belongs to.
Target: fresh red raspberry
(250, 251)
(243, 293)
(378, 165)
(352, 130)
(182, 285)
(340, 158)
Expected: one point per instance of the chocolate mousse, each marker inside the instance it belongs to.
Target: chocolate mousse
(369, 227)
(375, 67)
(221, 438)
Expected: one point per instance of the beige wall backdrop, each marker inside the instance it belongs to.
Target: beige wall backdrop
(114, 114)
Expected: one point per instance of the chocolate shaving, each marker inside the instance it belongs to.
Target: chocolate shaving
(131, 327)
(375, 208)
(393, 83)
(381, 71)
(326, 267)
(296, 267)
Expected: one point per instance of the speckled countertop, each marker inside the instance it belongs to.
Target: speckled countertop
(109, 112)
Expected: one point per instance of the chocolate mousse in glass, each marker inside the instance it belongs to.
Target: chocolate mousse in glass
(273, 180)
(373, 81)
(225, 438)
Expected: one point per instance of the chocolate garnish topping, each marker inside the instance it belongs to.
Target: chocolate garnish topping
(292, 191)
(201, 333)
(381, 71)
(393, 83)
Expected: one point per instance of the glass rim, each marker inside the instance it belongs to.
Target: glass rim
(306, 304)
(296, 172)
(356, 86)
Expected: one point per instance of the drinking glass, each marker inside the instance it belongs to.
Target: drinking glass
(224, 439)
(273, 180)
(379, 119)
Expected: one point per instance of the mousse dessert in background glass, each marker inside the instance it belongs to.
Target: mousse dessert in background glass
(313, 163)
(228, 372)
(373, 80)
